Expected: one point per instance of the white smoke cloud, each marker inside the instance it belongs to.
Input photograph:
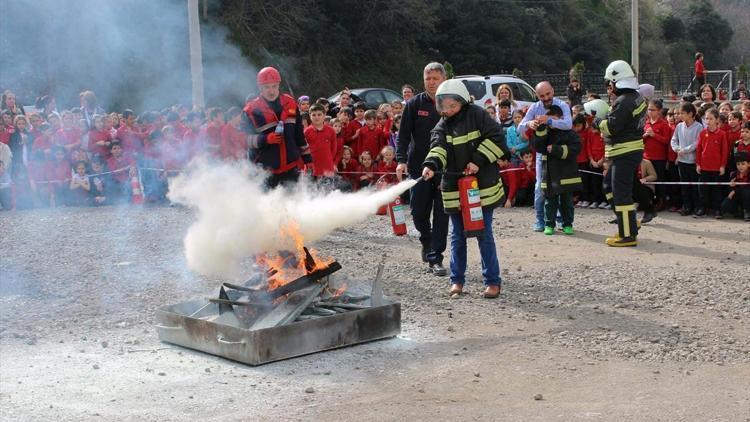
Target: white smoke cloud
(133, 54)
(238, 219)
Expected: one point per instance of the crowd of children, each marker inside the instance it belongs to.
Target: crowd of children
(84, 156)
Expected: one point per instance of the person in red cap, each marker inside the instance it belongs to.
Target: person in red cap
(275, 137)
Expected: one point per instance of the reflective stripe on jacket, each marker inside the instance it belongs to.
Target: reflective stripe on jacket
(471, 136)
(623, 127)
(261, 121)
(559, 168)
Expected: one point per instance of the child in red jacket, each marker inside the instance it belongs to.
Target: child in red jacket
(69, 137)
(525, 194)
(99, 138)
(322, 141)
(58, 174)
(511, 176)
(338, 129)
(233, 145)
(348, 167)
(656, 145)
(743, 144)
(739, 196)
(595, 154)
(584, 133)
(388, 165)
(370, 138)
(710, 161)
(366, 169)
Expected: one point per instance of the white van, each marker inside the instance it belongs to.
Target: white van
(484, 88)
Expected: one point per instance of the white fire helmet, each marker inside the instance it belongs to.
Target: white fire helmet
(598, 108)
(454, 89)
(621, 74)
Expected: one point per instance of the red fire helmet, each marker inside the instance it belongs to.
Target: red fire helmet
(268, 75)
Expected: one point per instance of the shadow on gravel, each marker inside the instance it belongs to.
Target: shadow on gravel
(729, 237)
(653, 247)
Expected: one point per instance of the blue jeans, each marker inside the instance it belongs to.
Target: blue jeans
(538, 194)
(490, 263)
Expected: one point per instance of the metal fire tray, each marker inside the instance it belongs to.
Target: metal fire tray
(181, 324)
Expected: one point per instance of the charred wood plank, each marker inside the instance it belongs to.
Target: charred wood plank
(289, 309)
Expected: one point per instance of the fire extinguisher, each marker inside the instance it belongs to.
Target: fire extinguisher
(398, 219)
(135, 186)
(471, 206)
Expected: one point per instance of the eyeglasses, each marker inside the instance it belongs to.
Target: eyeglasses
(652, 109)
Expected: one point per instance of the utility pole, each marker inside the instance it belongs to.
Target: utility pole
(196, 53)
(634, 36)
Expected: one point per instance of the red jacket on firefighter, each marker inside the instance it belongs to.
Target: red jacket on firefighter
(276, 152)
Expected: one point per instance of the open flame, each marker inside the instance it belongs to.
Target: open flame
(285, 266)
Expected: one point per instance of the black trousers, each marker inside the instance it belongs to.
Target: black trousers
(691, 199)
(644, 196)
(618, 188)
(661, 175)
(739, 204)
(674, 192)
(712, 194)
(427, 199)
(274, 180)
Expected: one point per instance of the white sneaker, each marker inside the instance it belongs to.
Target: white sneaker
(608, 207)
(584, 204)
(604, 205)
(594, 205)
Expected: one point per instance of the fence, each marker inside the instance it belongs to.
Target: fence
(662, 81)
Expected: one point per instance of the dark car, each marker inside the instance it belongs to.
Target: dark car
(373, 97)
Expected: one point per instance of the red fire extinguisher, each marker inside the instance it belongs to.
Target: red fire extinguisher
(398, 218)
(135, 186)
(471, 206)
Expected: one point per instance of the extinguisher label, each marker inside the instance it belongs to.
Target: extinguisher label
(474, 197)
(398, 214)
(476, 214)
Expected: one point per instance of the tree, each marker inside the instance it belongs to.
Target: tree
(702, 19)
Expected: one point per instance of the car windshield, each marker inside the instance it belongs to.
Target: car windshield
(477, 89)
(520, 91)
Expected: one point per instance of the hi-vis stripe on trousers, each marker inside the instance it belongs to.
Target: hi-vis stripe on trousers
(618, 189)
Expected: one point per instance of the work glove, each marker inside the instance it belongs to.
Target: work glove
(273, 138)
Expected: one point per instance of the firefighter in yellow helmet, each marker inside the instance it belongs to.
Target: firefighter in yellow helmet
(622, 129)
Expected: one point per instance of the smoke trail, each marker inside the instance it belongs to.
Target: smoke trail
(237, 219)
(133, 54)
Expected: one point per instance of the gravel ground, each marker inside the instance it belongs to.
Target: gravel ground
(581, 332)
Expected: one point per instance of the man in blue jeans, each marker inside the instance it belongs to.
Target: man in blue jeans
(535, 116)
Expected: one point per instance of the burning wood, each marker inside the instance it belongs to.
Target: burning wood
(274, 317)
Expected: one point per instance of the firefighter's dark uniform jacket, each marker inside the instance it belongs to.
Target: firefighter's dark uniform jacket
(623, 127)
(260, 120)
(559, 167)
(470, 136)
(413, 142)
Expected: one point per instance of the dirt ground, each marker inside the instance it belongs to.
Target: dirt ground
(582, 332)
